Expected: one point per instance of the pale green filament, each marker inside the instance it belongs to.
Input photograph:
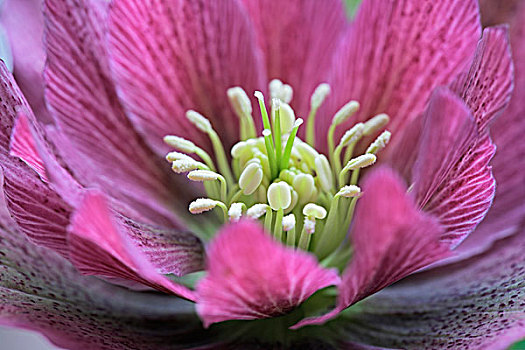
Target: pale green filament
(279, 176)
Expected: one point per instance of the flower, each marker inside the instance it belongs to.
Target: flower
(132, 82)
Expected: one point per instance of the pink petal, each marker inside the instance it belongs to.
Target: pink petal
(487, 86)
(397, 52)
(24, 146)
(478, 303)
(298, 39)
(171, 56)
(448, 130)
(102, 148)
(99, 247)
(251, 276)
(40, 290)
(23, 22)
(391, 238)
(508, 210)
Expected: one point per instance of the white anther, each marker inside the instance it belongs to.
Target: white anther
(257, 210)
(279, 195)
(293, 202)
(173, 156)
(307, 152)
(350, 191)
(197, 119)
(319, 95)
(353, 135)
(324, 173)
(314, 211)
(185, 165)
(200, 205)
(379, 143)
(203, 175)
(235, 211)
(375, 124)
(345, 112)
(287, 118)
(286, 93)
(239, 148)
(259, 95)
(251, 177)
(266, 133)
(275, 88)
(304, 185)
(309, 225)
(361, 162)
(180, 144)
(288, 222)
(298, 122)
(239, 101)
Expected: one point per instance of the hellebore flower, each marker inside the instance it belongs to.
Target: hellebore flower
(390, 175)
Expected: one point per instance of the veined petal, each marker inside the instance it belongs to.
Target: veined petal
(40, 290)
(452, 178)
(391, 239)
(397, 52)
(103, 150)
(172, 56)
(252, 276)
(99, 247)
(487, 85)
(298, 39)
(478, 303)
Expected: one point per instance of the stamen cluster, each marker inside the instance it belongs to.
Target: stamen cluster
(278, 178)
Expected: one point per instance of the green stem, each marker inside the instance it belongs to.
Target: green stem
(278, 228)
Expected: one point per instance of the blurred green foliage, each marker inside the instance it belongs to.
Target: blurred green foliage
(518, 346)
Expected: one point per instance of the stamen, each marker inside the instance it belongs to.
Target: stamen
(289, 228)
(324, 173)
(289, 144)
(315, 211)
(257, 210)
(268, 142)
(187, 146)
(206, 175)
(317, 99)
(379, 143)
(173, 156)
(375, 124)
(349, 139)
(287, 118)
(204, 125)
(355, 164)
(349, 191)
(185, 165)
(283, 92)
(251, 178)
(340, 117)
(235, 211)
(307, 232)
(242, 107)
(201, 205)
(276, 107)
(305, 186)
(279, 195)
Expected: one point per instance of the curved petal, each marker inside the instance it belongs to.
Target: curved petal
(99, 247)
(508, 210)
(397, 52)
(102, 148)
(452, 178)
(252, 276)
(487, 86)
(24, 23)
(475, 304)
(391, 238)
(171, 56)
(39, 290)
(299, 40)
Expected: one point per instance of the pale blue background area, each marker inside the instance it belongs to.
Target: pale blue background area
(14, 339)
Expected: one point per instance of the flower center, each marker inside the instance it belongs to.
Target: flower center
(303, 198)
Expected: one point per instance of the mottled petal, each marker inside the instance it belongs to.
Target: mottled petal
(84, 104)
(293, 36)
(99, 247)
(23, 22)
(391, 238)
(475, 304)
(40, 212)
(487, 86)
(170, 251)
(252, 276)
(41, 291)
(393, 59)
(170, 56)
